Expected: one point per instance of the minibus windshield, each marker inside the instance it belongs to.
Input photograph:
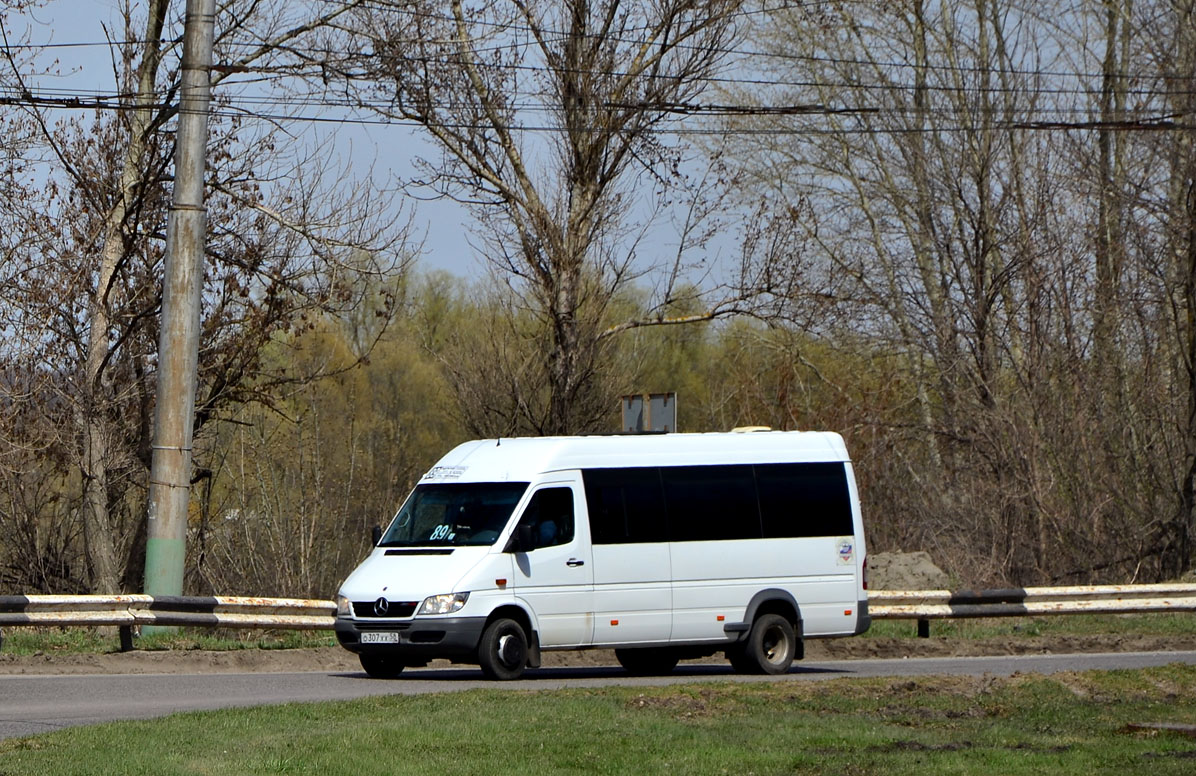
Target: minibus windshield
(457, 514)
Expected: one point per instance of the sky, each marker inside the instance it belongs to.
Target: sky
(444, 227)
(386, 149)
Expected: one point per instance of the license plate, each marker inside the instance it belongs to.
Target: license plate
(384, 637)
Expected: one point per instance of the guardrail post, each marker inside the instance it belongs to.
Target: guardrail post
(126, 638)
(923, 628)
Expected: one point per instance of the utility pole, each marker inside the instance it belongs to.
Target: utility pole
(178, 343)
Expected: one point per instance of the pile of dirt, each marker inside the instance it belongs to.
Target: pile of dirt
(905, 571)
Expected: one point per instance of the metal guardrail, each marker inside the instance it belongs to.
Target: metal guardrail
(927, 605)
(127, 611)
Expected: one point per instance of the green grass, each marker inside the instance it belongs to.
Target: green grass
(1073, 723)
(1160, 624)
(28, 641)
(64, 641)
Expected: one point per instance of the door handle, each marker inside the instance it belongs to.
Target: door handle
(575, 562)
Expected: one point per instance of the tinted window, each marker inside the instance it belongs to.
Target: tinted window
(711, 502)
(704, 503)
(804, 499)
(456, 514)
(626, 505)
(550, 514)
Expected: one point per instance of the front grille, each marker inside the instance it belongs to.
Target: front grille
(395, 609)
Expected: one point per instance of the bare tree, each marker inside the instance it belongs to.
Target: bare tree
(550, 120)
(931, 184)
(86, 294)
(1003, 188)
(1169, 232)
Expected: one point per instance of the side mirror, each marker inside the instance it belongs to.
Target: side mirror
(376, 534)
(521, 540)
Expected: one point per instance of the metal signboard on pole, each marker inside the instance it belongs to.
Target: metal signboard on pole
(649, 413)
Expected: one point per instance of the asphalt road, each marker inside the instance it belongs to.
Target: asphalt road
(31, 704)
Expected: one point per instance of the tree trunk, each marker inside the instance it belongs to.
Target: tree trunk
(97, 522)
(1175, 555)
(1175, 542)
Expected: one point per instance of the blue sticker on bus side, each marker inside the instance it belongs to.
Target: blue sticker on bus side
(846, 551)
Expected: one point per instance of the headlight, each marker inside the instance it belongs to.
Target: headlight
(344, 607)
(443, 604)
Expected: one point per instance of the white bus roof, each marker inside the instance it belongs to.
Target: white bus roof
(522, 459)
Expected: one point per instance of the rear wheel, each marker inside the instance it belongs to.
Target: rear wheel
(502, 652)
(770, 647)
(381, 666)
(647, 661)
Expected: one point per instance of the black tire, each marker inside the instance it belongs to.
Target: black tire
(648, 661)
(737, 657)
(770, 647)
(381, 666)
(502, 652)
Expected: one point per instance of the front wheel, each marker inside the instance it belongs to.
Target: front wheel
(769, 649)
(380, 666)
(502, 652)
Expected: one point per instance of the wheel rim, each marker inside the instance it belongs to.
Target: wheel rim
(509, 650)
(775, 645)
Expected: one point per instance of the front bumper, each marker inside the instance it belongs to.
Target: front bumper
(419, 639)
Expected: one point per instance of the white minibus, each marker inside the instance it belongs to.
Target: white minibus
(660, 546)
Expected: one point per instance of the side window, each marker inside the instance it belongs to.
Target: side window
(626, 505)
(804, 499)
(707, 503)
(550, 514)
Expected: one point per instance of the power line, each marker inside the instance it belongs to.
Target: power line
(267, 73)
(744, 54)
(1166, 122)
(64, 98)
(1037, 117)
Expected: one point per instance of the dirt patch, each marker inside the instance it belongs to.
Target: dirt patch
(918, 746)
(862, 648)
(905, 571)
(335, 659)
(182, 661)
(704, 703)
